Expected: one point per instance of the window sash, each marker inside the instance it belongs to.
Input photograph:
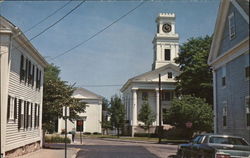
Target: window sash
(232, 29)
(167, 54)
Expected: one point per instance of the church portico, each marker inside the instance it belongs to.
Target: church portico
(145, 87)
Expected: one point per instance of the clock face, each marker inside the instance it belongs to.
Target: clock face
(166, 28)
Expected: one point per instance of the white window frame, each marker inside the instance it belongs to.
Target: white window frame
(12, 102)
(247, 102)
(224, 74)
(232, 27)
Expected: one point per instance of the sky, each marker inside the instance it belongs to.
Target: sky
(124, 50)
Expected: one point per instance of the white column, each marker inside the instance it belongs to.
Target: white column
(134, 107)
(157, 106)
(214, 94)
(134, 111)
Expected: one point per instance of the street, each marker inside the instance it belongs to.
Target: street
(115, 148)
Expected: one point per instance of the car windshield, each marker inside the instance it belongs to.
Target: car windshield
(227, 140)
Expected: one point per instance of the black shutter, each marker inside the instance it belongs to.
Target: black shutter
(36, 77)
(31, 107)
(8, 108)
(19, 113)
(15, 109)
(38, 118)
(26, 70)
(33, 75)
(21, 68)
(27, 115)
(24, 118)
(35, 115)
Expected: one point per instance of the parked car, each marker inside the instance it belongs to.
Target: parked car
(215, 146)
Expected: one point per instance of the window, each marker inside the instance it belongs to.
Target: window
(170, 75)
(30, 116)
(247, 72)
(11, 108)
(26, 69)
(158, 28)
(22, 68)
(232, 29)
(144, 96)
(167, 96)
(27, 114)
(224, 114)
(223, 78)
(36, 115)
(38, 78)
(20, 114)
(247, 104)
(167, 55)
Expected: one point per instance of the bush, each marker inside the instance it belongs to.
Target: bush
(56, 139)
(96, 133)
(87, 133)
(152, 135)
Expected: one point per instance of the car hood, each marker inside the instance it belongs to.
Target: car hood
(233, 150)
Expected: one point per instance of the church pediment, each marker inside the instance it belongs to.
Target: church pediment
(153, 76)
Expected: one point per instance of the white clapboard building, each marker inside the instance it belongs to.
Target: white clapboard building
(21, 92)
(92, 116)
(144, 87)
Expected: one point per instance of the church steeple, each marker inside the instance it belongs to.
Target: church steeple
(166, 41)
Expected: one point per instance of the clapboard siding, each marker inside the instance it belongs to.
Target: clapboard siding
(19, 89)
(234, 93)
(242, 31)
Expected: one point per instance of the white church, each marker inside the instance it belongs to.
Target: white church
(145, 87)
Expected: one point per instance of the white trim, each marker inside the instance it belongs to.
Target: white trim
(231, 26)
(215, 105)
(231, 54)
(241, 11)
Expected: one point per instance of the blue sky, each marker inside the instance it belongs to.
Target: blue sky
(122, 51)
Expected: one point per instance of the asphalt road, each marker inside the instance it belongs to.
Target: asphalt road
(114, 148)
(110, 148)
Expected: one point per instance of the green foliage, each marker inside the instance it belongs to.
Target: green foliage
(56, 139)
(57, 93)
(196, 76)
(190, 109)
(87, 133)
(146, 115)
(105, 104)
(117, 112)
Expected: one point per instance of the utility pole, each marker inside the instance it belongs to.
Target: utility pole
(65, 114)
(160, 119)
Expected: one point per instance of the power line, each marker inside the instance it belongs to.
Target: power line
(46, 29)
(32, 27)
(99, 32)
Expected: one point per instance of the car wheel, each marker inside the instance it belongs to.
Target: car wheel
(183, 155)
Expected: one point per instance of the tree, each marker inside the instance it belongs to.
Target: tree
(117, 112)
(147, 116)
(196, 76)
(57, 93)
(190, 109)
(105, 113)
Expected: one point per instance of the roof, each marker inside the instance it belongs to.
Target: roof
(242, 6)
(146, 74)
(83, 93)
(8, 27)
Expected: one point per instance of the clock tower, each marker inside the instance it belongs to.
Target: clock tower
(166, 41)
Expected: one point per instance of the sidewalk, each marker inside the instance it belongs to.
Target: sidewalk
(51, 153)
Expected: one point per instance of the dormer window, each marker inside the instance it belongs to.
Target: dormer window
(170, 75)
(223, 78)
(232, 30)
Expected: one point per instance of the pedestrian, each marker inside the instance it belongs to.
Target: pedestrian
(73, 132)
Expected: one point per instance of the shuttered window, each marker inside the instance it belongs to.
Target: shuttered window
(38, 115)
(26, 70)
(22, 68)
(27, 115)
(8, 108)
(19, 113)
(15, 109)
